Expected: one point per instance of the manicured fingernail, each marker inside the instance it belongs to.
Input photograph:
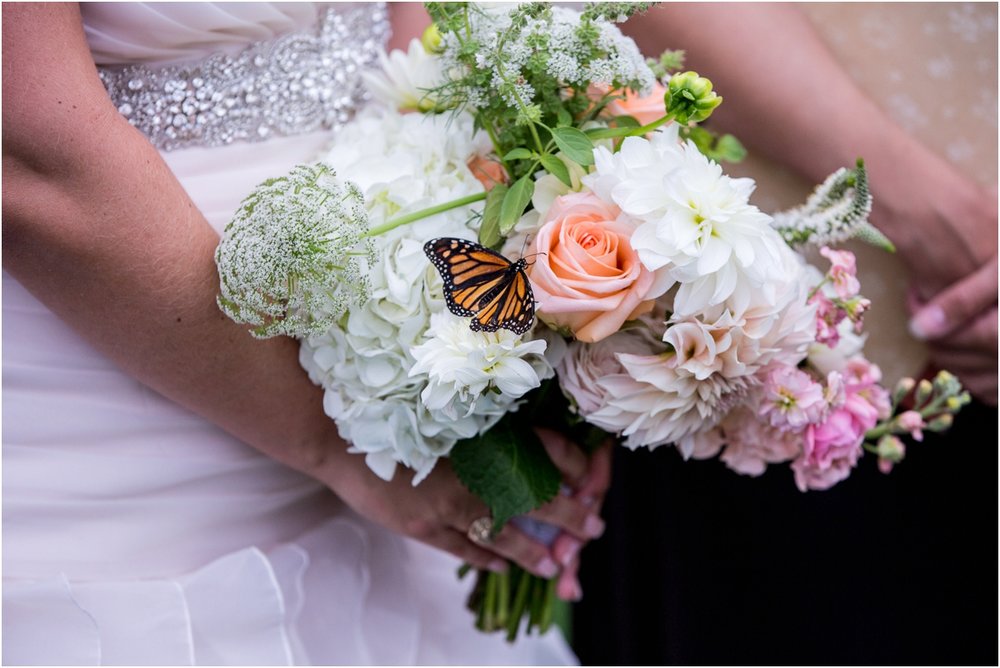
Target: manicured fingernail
(577, 592)
(588, 501)
(593, 526)
(928, 323)
(572, 547)
(546, 568)
(497, 566)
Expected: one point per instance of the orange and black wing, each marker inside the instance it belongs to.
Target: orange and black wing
(482, 284)
(513, 307)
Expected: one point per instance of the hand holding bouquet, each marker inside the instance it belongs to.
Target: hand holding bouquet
(549, 214)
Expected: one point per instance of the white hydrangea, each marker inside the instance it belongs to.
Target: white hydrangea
(403, 163)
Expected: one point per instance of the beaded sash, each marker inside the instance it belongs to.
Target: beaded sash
(297, 83)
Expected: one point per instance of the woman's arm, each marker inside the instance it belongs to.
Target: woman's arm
(788, 98)
(99, 230)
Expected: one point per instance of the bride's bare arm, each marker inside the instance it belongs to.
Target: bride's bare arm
(98, 229)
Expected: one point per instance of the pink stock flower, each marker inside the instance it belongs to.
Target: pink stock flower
(833, 446)
(751, 444)
(843, 272)
(791, 399)
(828, 316)
(862, 379)
(912, 422)
(856, 311)
(586, 276)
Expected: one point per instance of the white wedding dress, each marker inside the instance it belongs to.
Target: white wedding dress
(134, 532)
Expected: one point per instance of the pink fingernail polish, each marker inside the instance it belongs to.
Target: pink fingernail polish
(577, 592)
(497, 566)
(571, 551)
(928, 323)
(546, 568)
(593, 526)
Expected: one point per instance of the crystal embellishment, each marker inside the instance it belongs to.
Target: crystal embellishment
(298, 83)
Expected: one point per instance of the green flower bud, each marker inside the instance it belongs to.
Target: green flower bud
(431, 39)
(690, 97)
(891, 448)
(941, 422)
(924, 389)
(947, 383)
(903, 387)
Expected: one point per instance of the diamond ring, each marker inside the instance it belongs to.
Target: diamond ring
(481, 531)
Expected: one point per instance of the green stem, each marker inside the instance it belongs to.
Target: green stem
(520, 602)
(488, 618)
(614, 133)
(503, 599)
(646, 129)
(548, 604)
(424, 213)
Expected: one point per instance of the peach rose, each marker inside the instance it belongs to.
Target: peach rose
(644, 109)
(586, 276)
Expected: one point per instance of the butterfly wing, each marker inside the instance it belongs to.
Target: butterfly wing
(483, 284)
(513, 307)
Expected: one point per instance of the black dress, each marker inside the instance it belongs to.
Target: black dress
(702, 566)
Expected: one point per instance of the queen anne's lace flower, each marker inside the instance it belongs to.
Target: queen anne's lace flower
(403, 163)
(291, 260)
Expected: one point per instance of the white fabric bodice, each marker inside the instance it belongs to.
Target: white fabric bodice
(135, 531)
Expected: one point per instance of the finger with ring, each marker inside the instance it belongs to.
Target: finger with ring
(481, 531)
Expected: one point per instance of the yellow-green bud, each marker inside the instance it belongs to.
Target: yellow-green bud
(690, 97)
(903, 387)
(431, 39)
(947, 382)
(941, 422)
(891, 448)
(924, 389)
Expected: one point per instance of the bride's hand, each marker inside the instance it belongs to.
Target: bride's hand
(440, 510)
(588, 479)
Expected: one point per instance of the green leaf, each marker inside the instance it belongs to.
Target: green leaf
(575, 144)
(563, 117)
(729, 149)
(557, 168)
(627, 122)
(519, 153)
(514, 202)
(489, 230)
(508, 468)
(609, 133)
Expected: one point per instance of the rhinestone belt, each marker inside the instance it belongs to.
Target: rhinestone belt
(300, 82)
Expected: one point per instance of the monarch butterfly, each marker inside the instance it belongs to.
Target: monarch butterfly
(483, 284)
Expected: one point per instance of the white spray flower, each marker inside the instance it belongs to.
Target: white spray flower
(694, 219)
(463, 367)
(408, 79)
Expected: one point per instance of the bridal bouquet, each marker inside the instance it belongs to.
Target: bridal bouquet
(535, 219)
